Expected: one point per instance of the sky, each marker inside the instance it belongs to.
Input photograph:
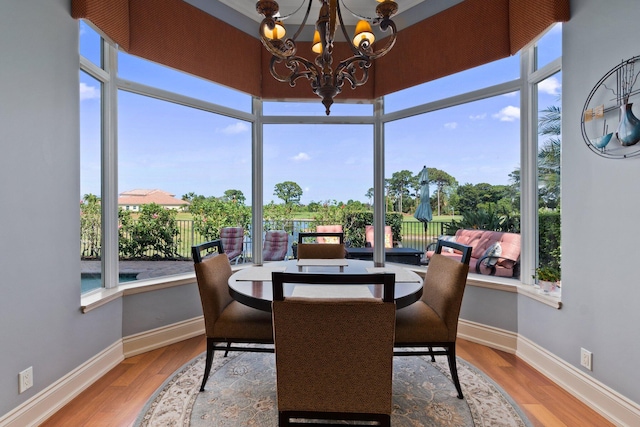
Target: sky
(181, 150)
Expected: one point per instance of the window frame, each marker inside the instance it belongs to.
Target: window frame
(526, 85)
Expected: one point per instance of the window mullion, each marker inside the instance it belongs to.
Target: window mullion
(110, 171)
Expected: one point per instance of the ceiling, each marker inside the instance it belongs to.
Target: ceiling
(242, 13)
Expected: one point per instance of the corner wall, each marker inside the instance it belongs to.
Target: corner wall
(41, 324)
(600, 203)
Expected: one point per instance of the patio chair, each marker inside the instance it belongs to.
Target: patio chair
(276, 245)
(233, 243)
(225, 319)
(320, 250)
(334, 356)
(388, 236)
(329, 229)
(433, 320)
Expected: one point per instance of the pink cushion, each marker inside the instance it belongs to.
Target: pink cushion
(388, 235)
(328, 229)
(480, 241)
(276, 244)
(232, 240)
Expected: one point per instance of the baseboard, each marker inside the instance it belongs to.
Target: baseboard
(46, 403)
(487, 335)
(607, 402)
(161, 337)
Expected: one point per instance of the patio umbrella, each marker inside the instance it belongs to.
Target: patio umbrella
(424, 213)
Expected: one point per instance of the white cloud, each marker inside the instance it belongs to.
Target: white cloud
(300, 157)
(550, 86)
(451, 125)
(478, 116)
(238, 127)
(88, 92)
(508, 114)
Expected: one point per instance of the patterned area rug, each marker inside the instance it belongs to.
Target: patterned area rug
(241, 391)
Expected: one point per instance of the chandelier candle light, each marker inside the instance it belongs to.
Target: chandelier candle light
(325, 81)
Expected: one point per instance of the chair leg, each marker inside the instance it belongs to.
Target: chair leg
(208, 362)
(227, 350)
(433, 357)
(451, 355)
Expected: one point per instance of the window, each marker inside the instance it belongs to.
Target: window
(90, 181)
(473, 149)
(170, 157)
(480, 77)
(148, 73)
(183, 141)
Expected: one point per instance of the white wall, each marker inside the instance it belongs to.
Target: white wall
(40, 320)
(600, 208)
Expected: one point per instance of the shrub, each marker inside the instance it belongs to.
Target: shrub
(155, 231)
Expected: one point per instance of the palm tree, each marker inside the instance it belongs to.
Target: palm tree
(549, 126)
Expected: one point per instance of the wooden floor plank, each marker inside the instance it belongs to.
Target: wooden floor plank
(117, 398)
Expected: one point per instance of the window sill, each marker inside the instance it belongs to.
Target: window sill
(100, 297)
(506, 285)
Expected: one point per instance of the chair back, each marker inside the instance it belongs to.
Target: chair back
(388, 236)
(212, 274)
(318, 250)
(334, 355)
(444, 285)
(232, 240)
(329, 229)
(465, 250)
(276, 245)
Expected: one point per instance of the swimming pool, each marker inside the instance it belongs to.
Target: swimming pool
(91, 281)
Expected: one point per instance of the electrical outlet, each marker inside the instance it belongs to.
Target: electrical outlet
(586, 359)
(25, 379)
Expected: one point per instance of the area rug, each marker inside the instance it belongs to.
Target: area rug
(241, 391)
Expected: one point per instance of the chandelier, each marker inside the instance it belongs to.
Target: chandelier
(326, 82)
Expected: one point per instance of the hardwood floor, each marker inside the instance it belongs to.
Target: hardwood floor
(117, 398)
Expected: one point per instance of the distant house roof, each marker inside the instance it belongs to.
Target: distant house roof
(142, 197)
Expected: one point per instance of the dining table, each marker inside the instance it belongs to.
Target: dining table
(252, 285)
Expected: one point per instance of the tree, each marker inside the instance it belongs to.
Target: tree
(399, 185)
(234, 196)
(442, 180)
(90, 225)
(289, 192)
(549, 125)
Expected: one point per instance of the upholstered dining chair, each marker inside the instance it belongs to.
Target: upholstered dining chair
(276, 245)
(334, 356)
(233, 243)
(226, 320)
(432, 321)
(321, 250)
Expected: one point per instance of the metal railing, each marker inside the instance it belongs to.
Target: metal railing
(414, 235)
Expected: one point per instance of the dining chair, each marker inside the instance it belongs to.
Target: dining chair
(388, 236)
(276, 245)
(233, 243)
(320, 250)
(225, 319)
(432, 322)
(334, 356)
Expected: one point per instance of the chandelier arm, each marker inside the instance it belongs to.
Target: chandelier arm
(285, 17)
(386, 25)
(304, 21)
(346, 70)
(309, 72)
(360, 50)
